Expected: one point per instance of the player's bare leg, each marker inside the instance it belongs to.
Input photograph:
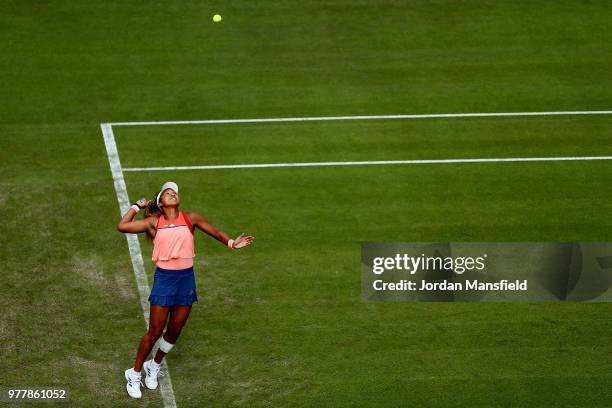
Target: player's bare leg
(178, 319)
(157, 322)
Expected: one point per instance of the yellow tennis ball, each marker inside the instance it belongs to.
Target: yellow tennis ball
(216, 18)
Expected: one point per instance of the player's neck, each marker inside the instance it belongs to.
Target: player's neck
(171, 213)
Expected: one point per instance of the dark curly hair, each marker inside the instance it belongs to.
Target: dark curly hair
(151, 210)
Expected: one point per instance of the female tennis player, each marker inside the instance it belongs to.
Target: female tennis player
(174, 290)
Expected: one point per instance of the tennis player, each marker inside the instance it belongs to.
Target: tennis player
(174, 290)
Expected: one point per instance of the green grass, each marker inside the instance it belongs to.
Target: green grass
(435, 138)
(282, 323)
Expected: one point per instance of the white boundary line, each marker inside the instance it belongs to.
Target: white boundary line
(165, 384)
(369, 163)
(367, 117)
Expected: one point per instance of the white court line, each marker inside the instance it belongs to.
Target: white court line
(165, 384)
(370, 163)
(367, 117)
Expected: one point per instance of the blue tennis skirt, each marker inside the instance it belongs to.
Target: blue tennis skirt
(173, 287)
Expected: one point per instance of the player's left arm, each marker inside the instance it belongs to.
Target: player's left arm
(202, 224)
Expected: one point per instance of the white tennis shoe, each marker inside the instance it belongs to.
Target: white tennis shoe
(151, 370)
(133, 383)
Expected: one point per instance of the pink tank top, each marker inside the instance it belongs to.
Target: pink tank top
(173, 243)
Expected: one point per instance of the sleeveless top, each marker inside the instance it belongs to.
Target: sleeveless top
(173, 246)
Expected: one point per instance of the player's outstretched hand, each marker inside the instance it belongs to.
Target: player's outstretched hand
(242, 241)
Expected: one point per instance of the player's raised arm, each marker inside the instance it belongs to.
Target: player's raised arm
(202, 224)
(127, 223)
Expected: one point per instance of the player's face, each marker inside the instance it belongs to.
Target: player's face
(169, 198)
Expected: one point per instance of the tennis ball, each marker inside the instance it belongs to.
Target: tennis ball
(216, 18)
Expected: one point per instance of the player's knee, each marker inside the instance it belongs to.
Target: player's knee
(155, 332)
(177, 327)
(172, 334)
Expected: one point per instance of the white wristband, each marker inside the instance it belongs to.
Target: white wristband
(135, 207)
(230, 243)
